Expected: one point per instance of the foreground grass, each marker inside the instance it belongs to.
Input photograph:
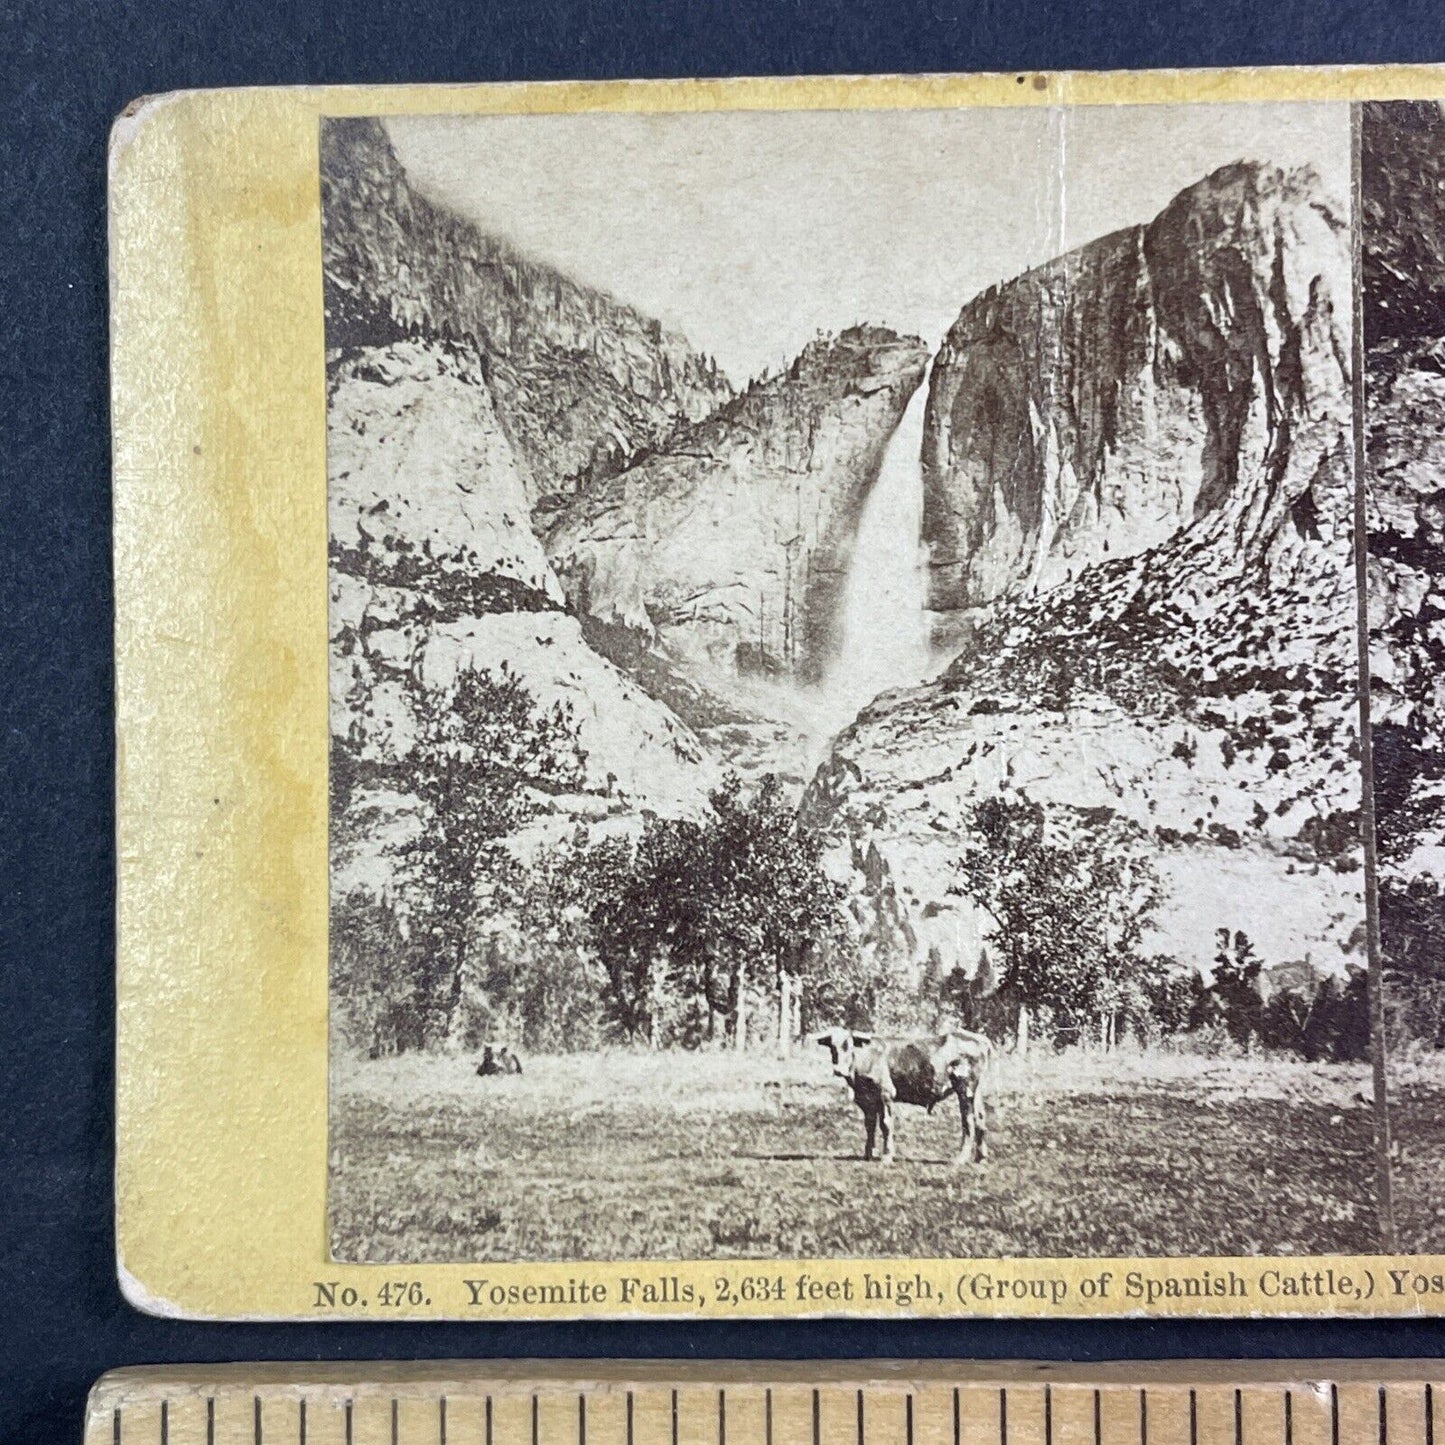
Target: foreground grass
(698, 1156)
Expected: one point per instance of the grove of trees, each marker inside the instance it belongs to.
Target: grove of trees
(728, 931)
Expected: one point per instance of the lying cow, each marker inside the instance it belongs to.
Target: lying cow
(498, 1059)
(924, 1071)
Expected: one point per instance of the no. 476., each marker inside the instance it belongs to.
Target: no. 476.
(393, 1294)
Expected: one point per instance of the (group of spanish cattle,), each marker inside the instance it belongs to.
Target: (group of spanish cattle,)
(923, 1071)
(881, 1073)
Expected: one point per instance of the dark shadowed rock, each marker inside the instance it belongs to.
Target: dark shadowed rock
(1403, 235)
(1402, 179)
(1097, 404)
(578, 378)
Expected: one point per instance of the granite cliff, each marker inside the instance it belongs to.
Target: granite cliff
(434, 568)
(463, 381)
(579, 381)
(1094, 406)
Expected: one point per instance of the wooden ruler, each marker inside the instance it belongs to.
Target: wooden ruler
(770, 1403)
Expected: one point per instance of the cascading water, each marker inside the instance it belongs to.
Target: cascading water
(884, 624)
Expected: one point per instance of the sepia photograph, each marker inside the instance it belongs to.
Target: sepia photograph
(847, 736)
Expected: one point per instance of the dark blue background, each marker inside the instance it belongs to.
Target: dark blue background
(65, 70)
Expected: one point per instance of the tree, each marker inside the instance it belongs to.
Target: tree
(693, 919)
(372, 978)
(770, 908)
(858, 987)
(1236, 985)
(1068, 918)
(532, 973)
(1339, 1020)
(1288, 1014)
(948, 996)
(482, 754)
(1412, 927)
(645, 913)
(1174, 998)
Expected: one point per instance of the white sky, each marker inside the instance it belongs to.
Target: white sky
(751, 231)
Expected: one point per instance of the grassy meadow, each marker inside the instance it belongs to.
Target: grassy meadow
(622, 1155)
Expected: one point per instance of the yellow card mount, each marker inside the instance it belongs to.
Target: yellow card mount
(775, 698)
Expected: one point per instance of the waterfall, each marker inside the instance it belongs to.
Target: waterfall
(883, 623)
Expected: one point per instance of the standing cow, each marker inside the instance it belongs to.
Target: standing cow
(923, 1071)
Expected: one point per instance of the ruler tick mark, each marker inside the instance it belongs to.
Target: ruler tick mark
(256, 1426)
(722, 1417)
(1384, 1423)
(817, 1419)
(210, 1420)
(302, 1414)
(536, 1433)
(348, 1422)
(1239, 1417)
(860, 1417)
(581, 1420)
(629, 1417)
(489, 1420)
(1334, 1415)
(1048, 1415)
(441, 1421)
(165, 1422)
(674, 1417)
(908, 1420)
(1429, 1415)
(1098, 1419)
(115, 1426)
(957, 1418)
(1143, 1418)
(1289, 1417)
(1193, 1418)
(395, 1422)
(768, 1417)
(1002, 1417)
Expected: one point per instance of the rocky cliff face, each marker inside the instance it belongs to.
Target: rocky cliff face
(425, 490)
(726, 549)
(479, 405)
(445, 354)
(434, 568)
(1171, 425)
(578, 380)
(1403, 232)
(1091, 408)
